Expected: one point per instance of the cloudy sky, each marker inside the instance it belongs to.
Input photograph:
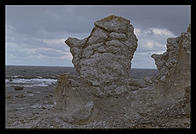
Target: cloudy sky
(35, 35)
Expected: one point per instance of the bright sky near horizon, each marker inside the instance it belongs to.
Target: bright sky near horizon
(35, 35)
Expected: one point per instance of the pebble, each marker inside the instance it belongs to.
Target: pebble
(8, 97)
(20, 96)
(19, 88)
(30, 94)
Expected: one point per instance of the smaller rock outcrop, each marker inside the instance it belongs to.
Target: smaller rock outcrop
(174, 67)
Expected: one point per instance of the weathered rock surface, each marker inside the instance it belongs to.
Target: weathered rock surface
(174, 66)
(103, 61)
(105, 96)
(174, 79)
(104, 57)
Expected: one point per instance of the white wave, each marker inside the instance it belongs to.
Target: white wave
(36, 106)
(20, 108)
(15, 76)
(47, 81)
(30, 94)
(30, 82)
(38, 92)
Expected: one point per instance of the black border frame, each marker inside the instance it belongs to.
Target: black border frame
(3, 4)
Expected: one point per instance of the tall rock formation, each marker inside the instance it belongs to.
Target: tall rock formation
(103, 61)
(104, 57)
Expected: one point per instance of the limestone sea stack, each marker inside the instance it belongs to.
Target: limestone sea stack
(105, 55)
(103, 61)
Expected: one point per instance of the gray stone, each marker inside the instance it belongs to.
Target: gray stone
(105, 55)
(174, 66)
(104, 91)
(19, 88)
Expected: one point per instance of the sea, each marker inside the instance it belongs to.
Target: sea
(42, 76)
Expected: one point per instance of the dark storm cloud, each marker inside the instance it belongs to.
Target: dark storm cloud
(34, 19)
(79, 19)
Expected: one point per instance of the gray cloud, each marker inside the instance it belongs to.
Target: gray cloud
(76, 19)
(152, 39)
(30, 29)
(49, 52)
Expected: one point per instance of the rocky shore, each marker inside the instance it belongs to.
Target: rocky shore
(104, 94)
(24, 107)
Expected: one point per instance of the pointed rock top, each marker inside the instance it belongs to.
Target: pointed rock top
(113, 24)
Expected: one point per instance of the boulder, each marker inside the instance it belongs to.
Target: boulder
(20, 96)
